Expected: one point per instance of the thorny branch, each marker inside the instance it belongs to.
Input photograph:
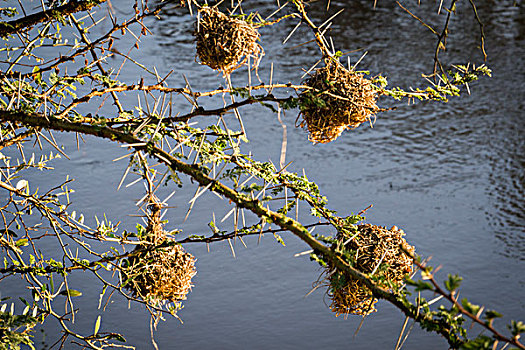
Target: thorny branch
(452, 297)
(26, 22)
(28, 105)
(242, 201)
(442, 37)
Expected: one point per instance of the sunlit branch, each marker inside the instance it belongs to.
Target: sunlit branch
(18, 25)
(243, 201)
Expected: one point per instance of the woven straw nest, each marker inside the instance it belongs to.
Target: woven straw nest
(161, 274)
(225, 43)
(339, 99)
(374, 249)
(160, 271)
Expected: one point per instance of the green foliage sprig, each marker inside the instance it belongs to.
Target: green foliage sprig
(448, 86)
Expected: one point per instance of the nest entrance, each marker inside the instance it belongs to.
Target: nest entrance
(339, 99)
(375, 249)
(225, 43)
(160, 271)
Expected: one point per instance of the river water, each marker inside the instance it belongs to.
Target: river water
(451, 175)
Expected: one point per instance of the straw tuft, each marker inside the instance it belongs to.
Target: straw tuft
(373, 249)
(339, 99)
(224, 43)
(158, 271)
(160, 274)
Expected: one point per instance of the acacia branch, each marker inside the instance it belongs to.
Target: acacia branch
(17, 138)
(481, 29)
(97, 60)
(442, 40)
(452, 298)
(18, 25)
(222, 237)
(79, 265)
(161, 88)
(419, 19)
(319, 38)
(102, 39)
(243, 201)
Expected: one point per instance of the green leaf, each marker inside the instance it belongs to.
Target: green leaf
(117, 336)
(491, 314)
(473, 309)
(453, 282)
(516, 327)
(419, 285)
(37, 74)
(318, 259)
(71, 292)
(51, 283)
(22, 242)
(482, 342)
(97, 325)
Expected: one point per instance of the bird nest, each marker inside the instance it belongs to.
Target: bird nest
(158, 271)
(338, 99)
(159, 274)
(374, 250)
(225, 43)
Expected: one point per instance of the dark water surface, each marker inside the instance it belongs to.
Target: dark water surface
(451, 175)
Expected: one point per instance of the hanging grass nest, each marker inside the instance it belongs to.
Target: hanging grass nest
(373, 249)
(225, 43)
(160, 274)
(339, 99)
(160, 271)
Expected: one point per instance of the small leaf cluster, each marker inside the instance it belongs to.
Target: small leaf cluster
(448, 86)
(16, 330)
